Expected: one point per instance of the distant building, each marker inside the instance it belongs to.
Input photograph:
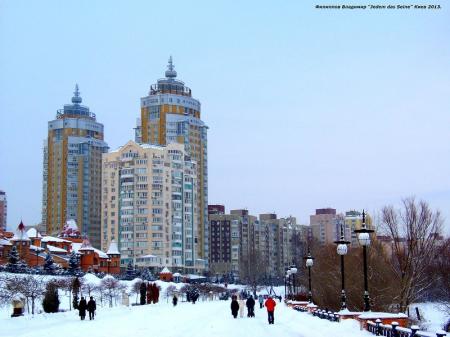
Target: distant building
(353, 221)
(3, 211)
(72, 170)
(324, 225)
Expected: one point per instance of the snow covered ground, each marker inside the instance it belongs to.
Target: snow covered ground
(433, 315)
(209, 318)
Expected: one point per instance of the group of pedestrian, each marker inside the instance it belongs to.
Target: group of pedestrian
(238, 306)
(90, 306)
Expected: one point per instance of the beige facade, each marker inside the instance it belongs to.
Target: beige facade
(149, 196)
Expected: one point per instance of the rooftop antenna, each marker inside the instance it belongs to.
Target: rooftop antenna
(76, 99)
(170, 72)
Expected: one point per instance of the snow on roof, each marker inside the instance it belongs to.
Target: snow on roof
(33, 233)
(149, 256)
(33, 247)
(76, 247)
(194, 277)
(86, 245)
(101, 253)
(113, 250)
(21, 234)
(165, 271)
(177, 274)
(4, 242)
(53, 239)
(54, 249)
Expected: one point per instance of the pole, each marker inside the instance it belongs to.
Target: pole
(366, 286)
(343, 297)
(310, 292)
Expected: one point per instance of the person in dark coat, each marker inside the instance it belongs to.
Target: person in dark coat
(91, 307)
(175, 300)
(82, 306)
(250, 306)
(234, 306)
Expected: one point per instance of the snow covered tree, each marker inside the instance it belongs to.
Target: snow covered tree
(147, 275)
(13, 257)
(131, 273)
(49, 264)
(74, 263)
(112, 288)
(51, 299)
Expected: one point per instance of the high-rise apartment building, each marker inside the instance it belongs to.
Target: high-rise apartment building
(149, 195)
(72, 170)
(3, 210)
(324, 225)
(169, 114)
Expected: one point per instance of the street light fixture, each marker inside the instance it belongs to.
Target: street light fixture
(364, 241)
(342, 251)
(309, 263)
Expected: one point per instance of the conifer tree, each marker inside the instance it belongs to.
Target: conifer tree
(76, 289)
(74, 263)
(51, 299)
(49, 265)
(130, 271)
(13, 257)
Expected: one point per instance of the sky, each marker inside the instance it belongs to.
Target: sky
(306, 108)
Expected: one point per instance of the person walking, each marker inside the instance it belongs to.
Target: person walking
(175, 300)
(241, 306)
(82, 306)
(270, 305)
(251, 306)
(91, 307)
(234, 306)
(261, 301)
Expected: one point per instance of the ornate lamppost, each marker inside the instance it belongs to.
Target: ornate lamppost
(309, 263)
(342, 251)
(293, 271)
(364, 241)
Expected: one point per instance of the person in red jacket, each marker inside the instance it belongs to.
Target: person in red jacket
(270, 305)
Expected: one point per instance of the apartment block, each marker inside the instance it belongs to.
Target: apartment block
(149, 205)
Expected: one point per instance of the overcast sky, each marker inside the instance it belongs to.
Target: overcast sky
(306, 108)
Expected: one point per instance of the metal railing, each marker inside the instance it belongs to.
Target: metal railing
(324, 314)
(393, 330)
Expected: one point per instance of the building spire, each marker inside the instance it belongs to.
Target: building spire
(76, 99)
(170, 72)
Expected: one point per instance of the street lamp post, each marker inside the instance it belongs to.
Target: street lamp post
(342, 251)
(364, 241)
(289, 283)
(309, 263)
(293, 272)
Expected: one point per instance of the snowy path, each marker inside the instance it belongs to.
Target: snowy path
(186, 320)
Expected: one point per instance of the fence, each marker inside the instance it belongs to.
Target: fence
(393, 330)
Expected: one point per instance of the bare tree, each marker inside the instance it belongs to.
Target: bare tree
(137, 288)
(112, 288)
(414, 229)
(253, 269)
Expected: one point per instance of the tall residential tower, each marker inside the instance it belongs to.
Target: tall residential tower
(72, 170)
(169, 114)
